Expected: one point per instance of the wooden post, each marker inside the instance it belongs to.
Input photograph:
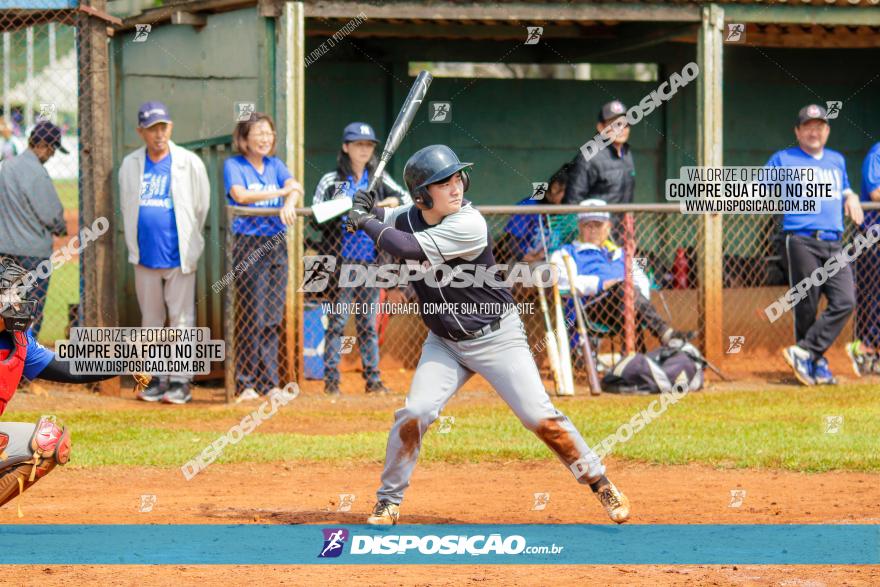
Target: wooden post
(97, 261)
(291, 63)
(709, 153)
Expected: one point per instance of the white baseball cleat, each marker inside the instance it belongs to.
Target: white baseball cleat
(384, 514)
(614, 502)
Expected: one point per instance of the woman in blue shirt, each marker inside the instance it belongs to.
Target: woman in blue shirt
(258, 179)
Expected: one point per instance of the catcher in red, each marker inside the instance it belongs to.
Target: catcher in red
(27, 451)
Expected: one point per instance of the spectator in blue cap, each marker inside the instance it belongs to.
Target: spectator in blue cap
(164, 196)
(355, 164)
(32, 212)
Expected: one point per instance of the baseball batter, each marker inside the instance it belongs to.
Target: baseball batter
(442, 228)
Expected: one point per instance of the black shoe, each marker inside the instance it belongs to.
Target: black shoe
(377, 389)
(331, 389)
(152, 392)
(178, 393)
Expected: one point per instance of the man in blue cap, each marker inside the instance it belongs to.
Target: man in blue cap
(164, 197)
(811, 240)
(32, 212)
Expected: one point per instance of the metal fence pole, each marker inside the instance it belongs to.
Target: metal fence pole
(293, 61)
(229, 314)
(629, 298)
(7, 67)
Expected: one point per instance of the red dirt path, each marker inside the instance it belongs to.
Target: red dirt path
(483, 493)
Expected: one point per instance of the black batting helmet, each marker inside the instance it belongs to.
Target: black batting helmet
(431, 165)
(16, 312)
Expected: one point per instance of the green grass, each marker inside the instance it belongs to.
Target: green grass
(64, 283)
(63, 290)
(68, 193)
(782, 429)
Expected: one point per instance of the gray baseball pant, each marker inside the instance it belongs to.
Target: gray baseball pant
(504, 359)
(157, 288)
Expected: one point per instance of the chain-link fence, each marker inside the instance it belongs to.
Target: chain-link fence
(38, 66)
(260, 353)
(346, 343)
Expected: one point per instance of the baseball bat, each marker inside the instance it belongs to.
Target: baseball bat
(551, 346)
(553, 335)
(404, 119)
(564, 348)
(586, 347)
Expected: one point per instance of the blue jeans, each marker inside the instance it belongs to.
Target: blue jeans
(365, 326)
(260, 297)
(38, 291)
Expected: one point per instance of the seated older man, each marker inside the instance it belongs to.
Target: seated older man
(601, 270)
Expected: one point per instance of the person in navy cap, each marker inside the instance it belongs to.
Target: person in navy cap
(355, 164)
(164, 196)
(32, 213)
(611, 174)
(810, 241)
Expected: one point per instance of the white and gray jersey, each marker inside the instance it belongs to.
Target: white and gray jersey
(458, 244)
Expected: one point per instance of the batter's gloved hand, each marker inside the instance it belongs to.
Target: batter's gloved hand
(365, 200)
(361, 210)
(357, 218)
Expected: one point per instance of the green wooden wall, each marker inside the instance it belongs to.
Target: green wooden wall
(516, 131)
(200, 75)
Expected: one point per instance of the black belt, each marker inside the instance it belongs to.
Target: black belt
(492, 327)
(822, 235)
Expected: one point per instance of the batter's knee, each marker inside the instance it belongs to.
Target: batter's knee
(425, 413)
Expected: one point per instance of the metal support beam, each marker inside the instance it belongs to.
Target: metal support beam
(507, 11)
(291, 120)
(709, 153)
(822, 15)
(97, 261)
(195, 19)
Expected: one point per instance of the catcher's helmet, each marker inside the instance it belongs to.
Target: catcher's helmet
(431, 165)
(16, 312)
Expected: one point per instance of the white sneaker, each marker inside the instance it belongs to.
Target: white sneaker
(286, 394)
(249, 394)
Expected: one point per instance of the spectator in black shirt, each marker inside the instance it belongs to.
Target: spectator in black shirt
(610, 175)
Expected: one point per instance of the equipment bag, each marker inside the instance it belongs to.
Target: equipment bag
(657, 371)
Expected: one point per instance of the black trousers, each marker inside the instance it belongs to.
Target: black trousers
(804, 255)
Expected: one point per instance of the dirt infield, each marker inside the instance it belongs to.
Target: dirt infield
(483, 493)
(487, 493)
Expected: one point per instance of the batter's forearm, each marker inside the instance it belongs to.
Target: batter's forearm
(394, 242)
(59, 372)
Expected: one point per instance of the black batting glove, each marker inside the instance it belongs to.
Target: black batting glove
(357, 217)
(361, 210)
(365, 200)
